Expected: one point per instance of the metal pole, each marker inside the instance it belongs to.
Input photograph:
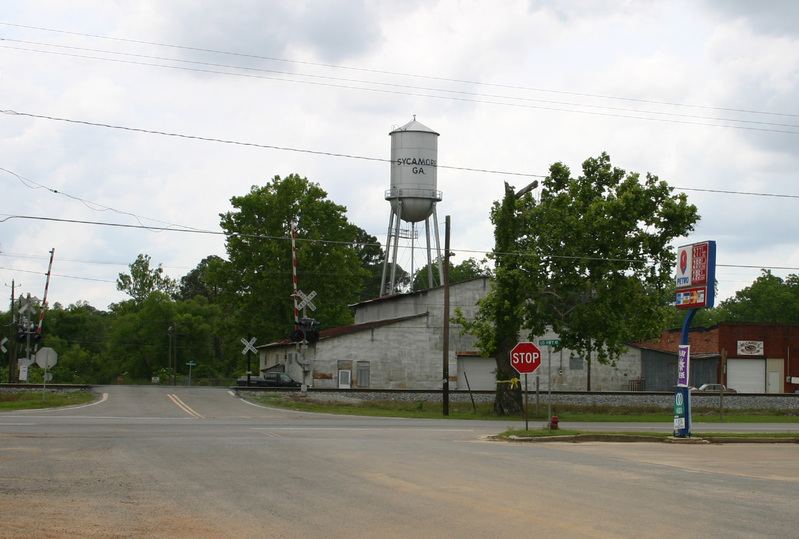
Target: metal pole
(169, 353)
(388, 250)
(249, 352)
(294, 277)
(526, 404)
(549, 386)
(396, 248)
(12, 341)
(175, 357)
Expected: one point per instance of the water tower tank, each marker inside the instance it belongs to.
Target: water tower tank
(414, 171)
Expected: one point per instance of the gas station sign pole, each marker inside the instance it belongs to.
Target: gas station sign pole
(695, 280)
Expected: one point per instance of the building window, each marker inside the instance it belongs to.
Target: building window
(576, 363)
(362, 374)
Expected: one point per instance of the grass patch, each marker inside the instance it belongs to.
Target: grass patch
(544, 433)
(416, 409)
(567, 413)
(34, 401)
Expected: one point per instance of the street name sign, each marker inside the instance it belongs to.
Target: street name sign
(549, 342)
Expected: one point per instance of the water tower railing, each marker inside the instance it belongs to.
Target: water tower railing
(431, 194)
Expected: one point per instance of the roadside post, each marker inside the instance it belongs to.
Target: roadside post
(249, 349)
(695, 281)
(549, 343)
(525, 357)
(190, 364)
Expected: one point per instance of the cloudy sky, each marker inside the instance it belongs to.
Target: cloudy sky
(156, 113)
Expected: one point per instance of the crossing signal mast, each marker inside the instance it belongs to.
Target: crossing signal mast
(306, 330)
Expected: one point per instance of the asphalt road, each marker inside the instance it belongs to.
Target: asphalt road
(200, 462)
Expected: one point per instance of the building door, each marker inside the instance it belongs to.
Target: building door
(775, 375)
(774, 382)
(746, 375)
(344, 379)
(479, 371)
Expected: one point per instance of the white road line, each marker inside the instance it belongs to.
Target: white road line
(77, 406)
(415, 429)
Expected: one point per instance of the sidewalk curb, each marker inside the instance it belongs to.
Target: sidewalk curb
(634, 438)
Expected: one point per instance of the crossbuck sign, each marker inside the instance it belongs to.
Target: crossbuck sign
(249, 346)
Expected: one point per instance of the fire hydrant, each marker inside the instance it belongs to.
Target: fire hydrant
(553, 422)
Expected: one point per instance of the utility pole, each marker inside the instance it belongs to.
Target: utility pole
(445, 394)
(12, 341)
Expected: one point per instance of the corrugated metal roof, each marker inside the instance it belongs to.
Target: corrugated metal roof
(345, 330)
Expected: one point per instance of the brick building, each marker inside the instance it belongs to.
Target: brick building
(750, 358)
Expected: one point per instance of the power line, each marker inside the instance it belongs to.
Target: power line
(455, 95)
(310, 240)
(396, 73)
(249, 144)
(313, 152)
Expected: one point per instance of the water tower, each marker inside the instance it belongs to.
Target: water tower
(413, 196)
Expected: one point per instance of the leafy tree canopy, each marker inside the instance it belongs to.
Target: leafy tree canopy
(770, 299)
(144, 280)
(259, 268)
(597, 253)
(196, 283)
(588, 258)
(468, 269)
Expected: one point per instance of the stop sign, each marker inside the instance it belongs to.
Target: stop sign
(525, 357)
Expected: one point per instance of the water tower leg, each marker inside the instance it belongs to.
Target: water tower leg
(438, 247)
(429, 253)
(396, 247)
(388, 250)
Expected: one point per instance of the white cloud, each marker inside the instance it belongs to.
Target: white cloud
(546, 71)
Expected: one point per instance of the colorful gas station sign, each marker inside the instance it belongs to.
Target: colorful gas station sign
(696, 275)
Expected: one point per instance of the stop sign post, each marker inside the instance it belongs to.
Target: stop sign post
(525, 357)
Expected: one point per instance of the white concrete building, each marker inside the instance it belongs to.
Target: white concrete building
(396, 342)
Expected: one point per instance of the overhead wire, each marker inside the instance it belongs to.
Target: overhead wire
(395, 73)
(456, 95)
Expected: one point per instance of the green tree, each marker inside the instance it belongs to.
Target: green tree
(196, 282)
(589, 258)
(769, 299)
(139, 335)
(78, 333)
(371, 256)
(143, 280)
(258, 274)
(468, 269)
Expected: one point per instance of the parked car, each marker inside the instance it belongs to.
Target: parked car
(269, 379)
(714, 388)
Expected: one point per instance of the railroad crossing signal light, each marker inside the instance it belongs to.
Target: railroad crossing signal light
(25, 329)
(308, 330)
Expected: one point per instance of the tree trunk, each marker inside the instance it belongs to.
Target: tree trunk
(508, 398)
